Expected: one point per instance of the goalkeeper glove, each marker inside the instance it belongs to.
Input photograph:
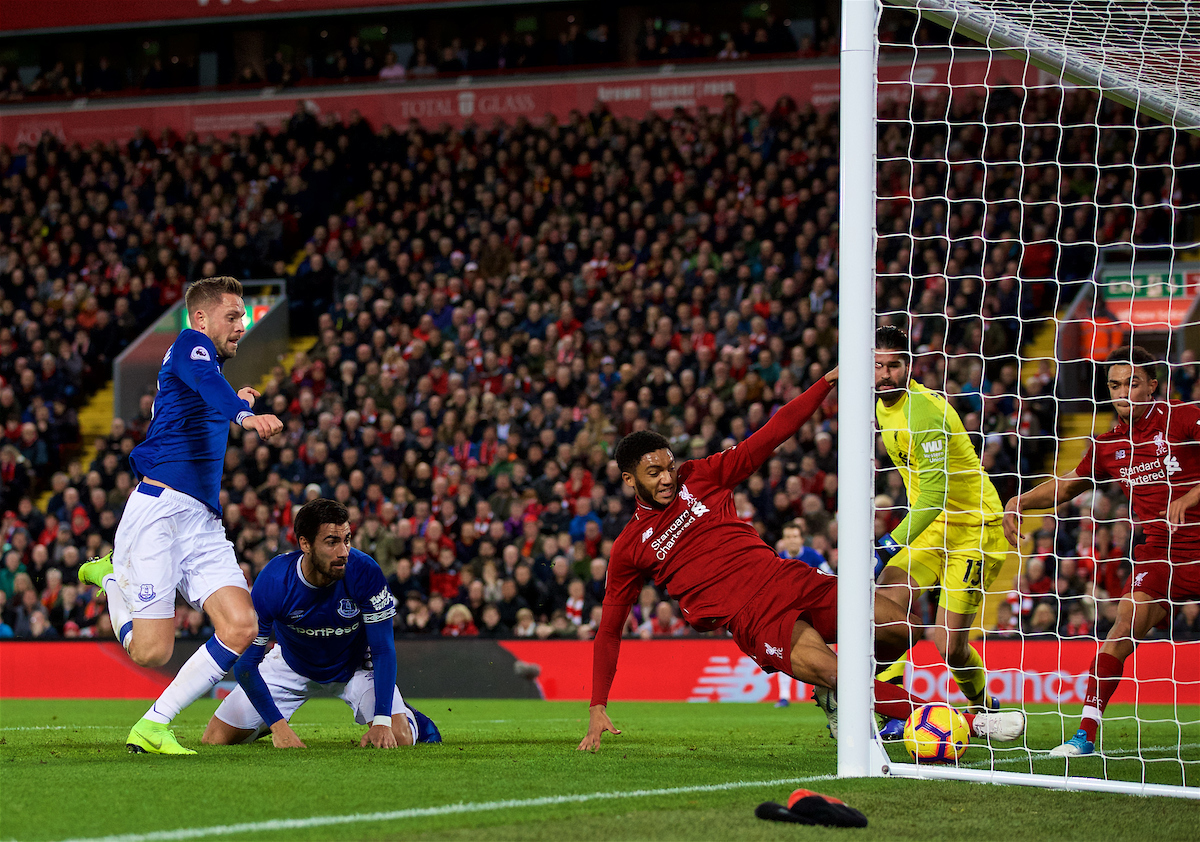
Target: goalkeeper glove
(885, 548)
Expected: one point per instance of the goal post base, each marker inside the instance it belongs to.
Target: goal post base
(877, 761)
(1065, 782)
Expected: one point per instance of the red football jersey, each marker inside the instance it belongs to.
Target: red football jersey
(1156, 462)
(697, 548)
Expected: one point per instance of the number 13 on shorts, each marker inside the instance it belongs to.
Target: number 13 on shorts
(973, 574)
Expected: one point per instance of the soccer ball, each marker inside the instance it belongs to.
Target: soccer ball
(936, 733)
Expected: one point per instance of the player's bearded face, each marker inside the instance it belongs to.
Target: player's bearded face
(1130, 390)
(891, 375)
(329, 552)
(655, 479)
(222, 323)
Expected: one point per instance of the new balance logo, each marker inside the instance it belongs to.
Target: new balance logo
(699, 508)
(1172, 465)
(1120, 454)
(727, 680)
(646, 535)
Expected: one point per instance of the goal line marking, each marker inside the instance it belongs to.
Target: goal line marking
(294, 724)
(443, 810)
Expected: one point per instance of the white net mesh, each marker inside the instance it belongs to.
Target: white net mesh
(1026, 227)
(1146, 53)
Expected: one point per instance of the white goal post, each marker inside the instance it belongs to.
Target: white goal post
(1144, 54)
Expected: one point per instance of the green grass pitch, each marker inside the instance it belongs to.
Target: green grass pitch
(678, 771)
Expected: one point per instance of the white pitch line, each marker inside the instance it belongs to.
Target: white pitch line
(1026, 753)
(1026, 756)
(103, 727)
(299, 725)
(294, 724)
(522, 721)
(444, 810)
(62, 727)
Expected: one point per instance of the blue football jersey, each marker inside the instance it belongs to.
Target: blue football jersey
(323, 632)
(189, 430)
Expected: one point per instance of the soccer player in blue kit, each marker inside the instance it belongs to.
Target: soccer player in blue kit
(331, 611)
(170, 537)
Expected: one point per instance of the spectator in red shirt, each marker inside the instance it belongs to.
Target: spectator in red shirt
(444, 579)
(664, 623)
(1041, 583)
(459, 622)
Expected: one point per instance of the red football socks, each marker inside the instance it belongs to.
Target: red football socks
(894, 702)
(1102, 683)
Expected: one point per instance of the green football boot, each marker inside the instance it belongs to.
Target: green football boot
(148, 737)
(93, 571)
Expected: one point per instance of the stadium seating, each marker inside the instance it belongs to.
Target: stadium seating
(510, 47)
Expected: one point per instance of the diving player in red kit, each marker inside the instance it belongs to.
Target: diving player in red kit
(1154, 452)
(686, 537)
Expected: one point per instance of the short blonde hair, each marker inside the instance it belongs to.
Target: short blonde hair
(458, 613)
(208, 291)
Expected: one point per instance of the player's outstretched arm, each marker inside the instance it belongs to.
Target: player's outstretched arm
(732, 467)
(378, 608)
(929, 451)
(598, 723)
(1046, 495)
(246, 671)
(200, 373)
(606, 648)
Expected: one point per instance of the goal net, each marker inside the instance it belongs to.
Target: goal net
(1037, 205)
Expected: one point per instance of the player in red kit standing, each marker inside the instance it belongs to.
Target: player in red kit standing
(1154, 452)
(686, 536)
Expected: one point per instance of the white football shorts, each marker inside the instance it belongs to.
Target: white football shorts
(289, 690)
(168, 541)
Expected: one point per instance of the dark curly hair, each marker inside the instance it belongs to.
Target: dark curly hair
(316, 512)
(1136, 356)
(634, 446)
(891, 338)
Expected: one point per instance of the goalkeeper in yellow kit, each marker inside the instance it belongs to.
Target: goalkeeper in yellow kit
(953, 535)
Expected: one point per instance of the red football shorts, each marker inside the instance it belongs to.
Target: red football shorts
(1178, 580)
(763, 628)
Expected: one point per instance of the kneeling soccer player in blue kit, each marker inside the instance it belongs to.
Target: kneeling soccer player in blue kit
(331, 611)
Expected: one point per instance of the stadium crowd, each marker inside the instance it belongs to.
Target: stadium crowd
(505, 48)
(493, 309)
(950, 233)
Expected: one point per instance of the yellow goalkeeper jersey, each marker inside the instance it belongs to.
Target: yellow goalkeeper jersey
(937, 461)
